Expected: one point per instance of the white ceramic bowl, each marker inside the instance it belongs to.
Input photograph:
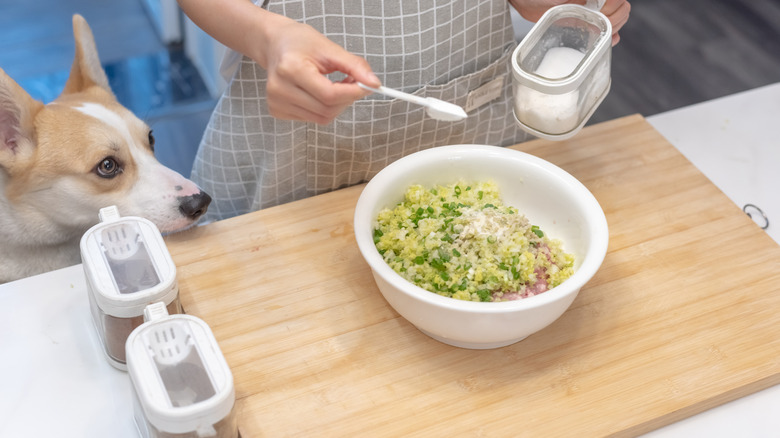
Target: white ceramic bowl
(543, 192)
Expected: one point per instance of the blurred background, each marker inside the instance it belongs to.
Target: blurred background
(162, 67)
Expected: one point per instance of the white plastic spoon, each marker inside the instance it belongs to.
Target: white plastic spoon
(437, 109)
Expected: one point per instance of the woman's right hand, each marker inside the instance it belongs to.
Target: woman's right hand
(297, 58)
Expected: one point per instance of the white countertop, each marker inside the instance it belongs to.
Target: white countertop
(56, 382)
(54, 378)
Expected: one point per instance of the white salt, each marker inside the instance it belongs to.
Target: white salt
(549, 113)
(559, 62)
(552, 113)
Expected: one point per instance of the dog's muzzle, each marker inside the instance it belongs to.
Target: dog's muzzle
(194, 206)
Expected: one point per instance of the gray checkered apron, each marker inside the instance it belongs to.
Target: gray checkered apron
(249, 160)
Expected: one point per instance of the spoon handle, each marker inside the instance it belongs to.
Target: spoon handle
(397, 94)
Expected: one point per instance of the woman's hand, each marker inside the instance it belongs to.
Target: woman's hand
(616, 10)
(297, 58)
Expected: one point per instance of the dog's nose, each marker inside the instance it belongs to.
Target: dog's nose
(194, 206)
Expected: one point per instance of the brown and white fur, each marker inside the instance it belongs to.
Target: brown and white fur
(60, 163)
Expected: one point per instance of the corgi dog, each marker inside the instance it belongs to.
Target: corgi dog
(61, 162)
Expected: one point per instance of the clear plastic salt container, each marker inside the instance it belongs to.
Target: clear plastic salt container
(561, 70)
(182, 385)
(127, 267)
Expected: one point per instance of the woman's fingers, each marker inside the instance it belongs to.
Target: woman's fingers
(312, 97)
(618, 12)
(298, 88)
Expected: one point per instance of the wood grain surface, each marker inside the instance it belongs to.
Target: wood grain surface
(682, 316)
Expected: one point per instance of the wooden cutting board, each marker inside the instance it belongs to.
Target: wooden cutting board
(683, 315)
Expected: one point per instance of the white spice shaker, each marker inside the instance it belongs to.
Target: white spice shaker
(561, 70)
(127, 267)
(182, 385)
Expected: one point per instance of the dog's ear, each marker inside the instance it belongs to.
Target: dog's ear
(86, 70)
(17, 113)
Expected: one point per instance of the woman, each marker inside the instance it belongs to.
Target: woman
(294, 123)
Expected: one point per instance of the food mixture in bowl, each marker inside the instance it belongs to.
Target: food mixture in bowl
(460, 241)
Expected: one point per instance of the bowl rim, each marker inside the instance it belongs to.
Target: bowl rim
(592, 260)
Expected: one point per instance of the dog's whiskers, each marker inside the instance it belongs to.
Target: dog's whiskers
(41, 189)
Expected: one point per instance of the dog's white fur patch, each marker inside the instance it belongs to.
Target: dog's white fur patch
(108, 117)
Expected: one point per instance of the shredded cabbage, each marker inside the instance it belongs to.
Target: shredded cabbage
(460, 241)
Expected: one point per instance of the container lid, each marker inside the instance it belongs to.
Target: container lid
(591, 33)
(178, 371)
(127, 264)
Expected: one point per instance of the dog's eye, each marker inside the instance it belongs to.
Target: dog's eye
(151, 140)
(108, 168)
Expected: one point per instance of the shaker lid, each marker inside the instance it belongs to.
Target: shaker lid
(178, 371)
(127, 264)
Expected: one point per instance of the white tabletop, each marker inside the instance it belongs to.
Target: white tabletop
(56, 382)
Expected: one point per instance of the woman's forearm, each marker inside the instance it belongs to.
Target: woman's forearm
(238, 24)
